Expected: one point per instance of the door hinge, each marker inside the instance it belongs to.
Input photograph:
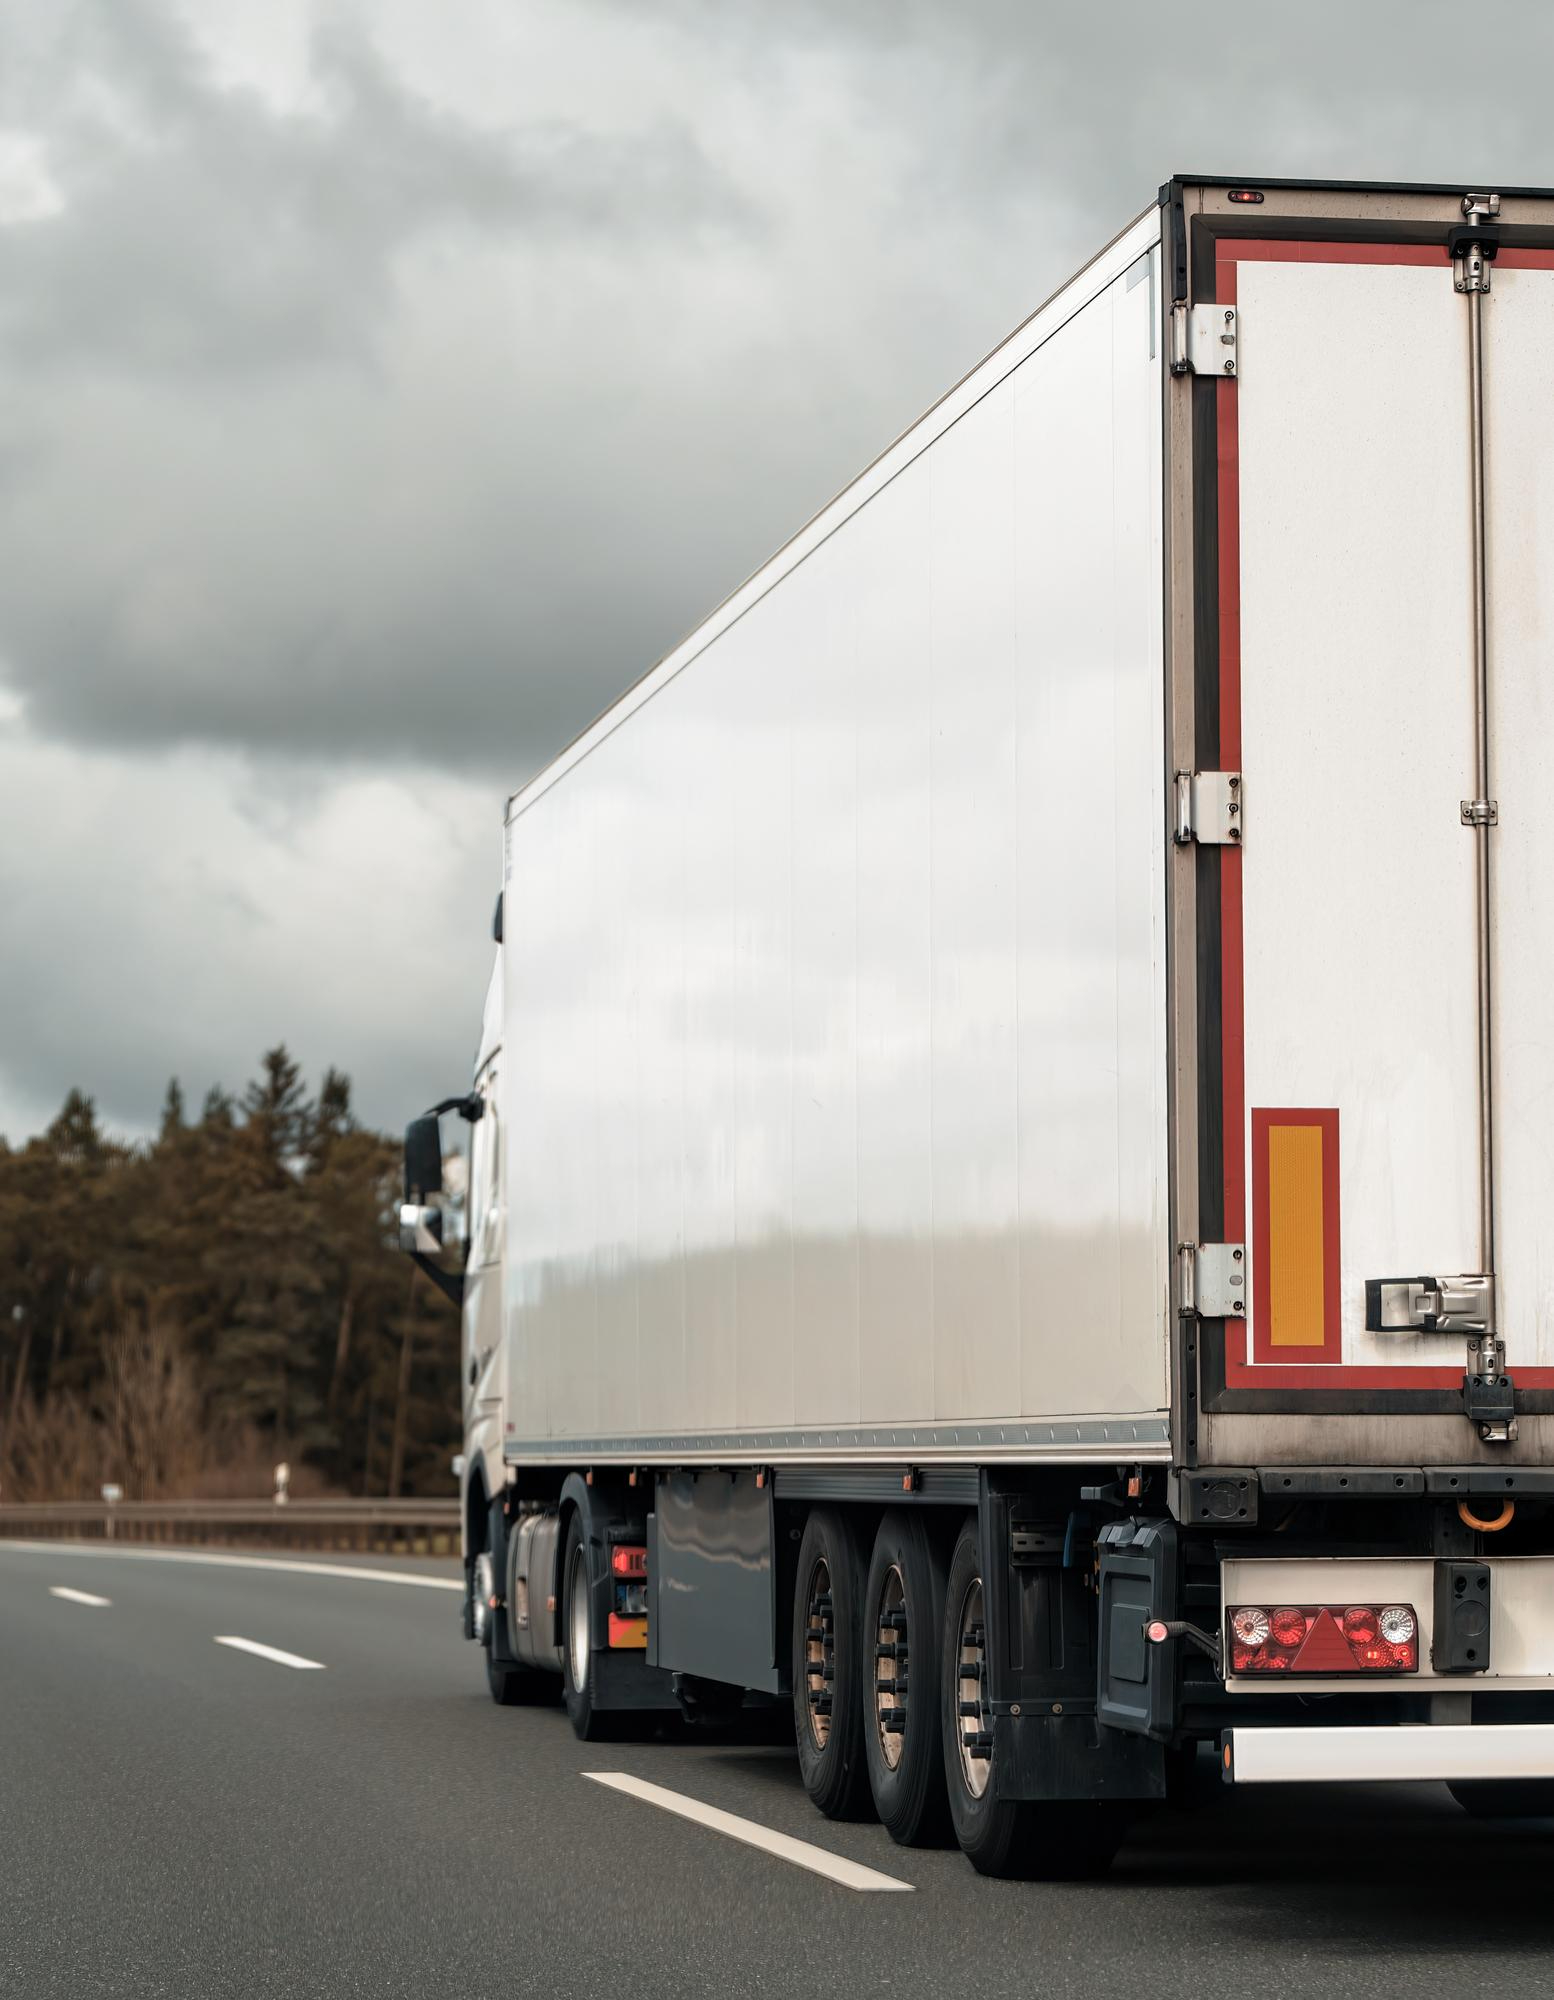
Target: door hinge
(1209, 808)
(1212, 1280)
(1203, 340)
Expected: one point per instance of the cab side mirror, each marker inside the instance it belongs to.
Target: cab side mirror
(420, 1229)
(423, 1160)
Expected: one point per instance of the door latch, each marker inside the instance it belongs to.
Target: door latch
(1430, 1305)
(1488, 1393)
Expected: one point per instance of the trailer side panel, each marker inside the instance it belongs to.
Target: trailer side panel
(835, 985)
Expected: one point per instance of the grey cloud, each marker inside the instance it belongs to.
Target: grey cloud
(384, 428)
(203, 229)
(179, 914)
(361, 429)
(260, 491)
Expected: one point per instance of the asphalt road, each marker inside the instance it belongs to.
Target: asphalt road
(180, 1817)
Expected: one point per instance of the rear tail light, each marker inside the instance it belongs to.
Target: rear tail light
(1290, 1626)
(1360, 1624)
(628, 1578)
(1323, 1639)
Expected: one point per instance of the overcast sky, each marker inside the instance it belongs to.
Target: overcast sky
(385, 383)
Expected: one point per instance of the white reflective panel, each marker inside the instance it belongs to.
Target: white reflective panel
(755, 655)
(972, 570)
(827, 718)
(1357, 746)
(607, 977)
(1089, 863)
(571, 1085)
(1519, 388)
(658, 924)
(893, 657)
(710, 720)
(836, 1011)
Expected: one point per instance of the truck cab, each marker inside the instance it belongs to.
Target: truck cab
(452, 1224)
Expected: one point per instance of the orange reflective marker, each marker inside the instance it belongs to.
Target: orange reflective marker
(1295, 1269)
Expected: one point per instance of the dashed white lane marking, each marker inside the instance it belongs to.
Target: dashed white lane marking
(77, 1596)
(850, 1874)
(234, 1562)
(271, 1653)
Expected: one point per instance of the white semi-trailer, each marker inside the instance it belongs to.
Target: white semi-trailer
(1012, 1190)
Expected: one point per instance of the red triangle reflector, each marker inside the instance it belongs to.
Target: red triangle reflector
(1325, 1650)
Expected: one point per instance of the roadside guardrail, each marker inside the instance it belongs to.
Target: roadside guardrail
(384, 1527)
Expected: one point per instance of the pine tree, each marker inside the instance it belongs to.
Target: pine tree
(74, 1136)
(242, 1268)
(172, 1111)
(217, 1108)
(275, 1107)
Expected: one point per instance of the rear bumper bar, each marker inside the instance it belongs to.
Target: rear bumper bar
(1371, 1756)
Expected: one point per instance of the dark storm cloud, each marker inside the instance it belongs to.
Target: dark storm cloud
(359, 427)
(206, 230)
(255, 493)
(370, 414)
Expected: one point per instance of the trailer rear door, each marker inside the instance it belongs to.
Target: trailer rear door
(1347, 921)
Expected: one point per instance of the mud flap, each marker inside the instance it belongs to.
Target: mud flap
(1136, 1684)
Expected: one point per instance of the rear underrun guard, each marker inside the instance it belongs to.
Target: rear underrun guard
(1407, 1752)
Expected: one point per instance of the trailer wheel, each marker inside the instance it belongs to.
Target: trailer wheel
(1057, 1840)
(577, 1637)
(828, 1670)
(903, 1619)
(1510, 1798)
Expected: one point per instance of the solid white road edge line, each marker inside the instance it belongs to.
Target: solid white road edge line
(77, 1596)
(270, 1653)
(231, 1562)
(850, 1874)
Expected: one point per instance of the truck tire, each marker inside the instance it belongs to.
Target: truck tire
(589, 1725)
(1509, 1798)
(903, 1620)
(1057, 1840)
(828, 1670)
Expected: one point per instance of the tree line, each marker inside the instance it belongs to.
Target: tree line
(179, 1316)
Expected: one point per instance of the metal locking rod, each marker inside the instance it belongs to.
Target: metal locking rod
(1481, 825)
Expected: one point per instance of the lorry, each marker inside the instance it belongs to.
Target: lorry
(1011, 1179)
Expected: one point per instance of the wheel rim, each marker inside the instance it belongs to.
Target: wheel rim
(482, 1590)
(577, 1620)
(974, 1719)
(819, 1652)
(890, 1667)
